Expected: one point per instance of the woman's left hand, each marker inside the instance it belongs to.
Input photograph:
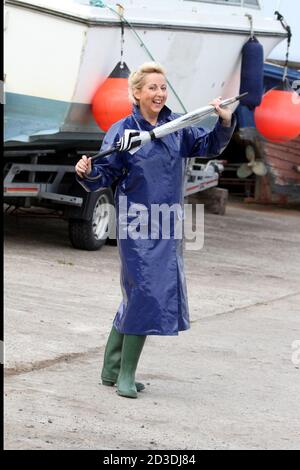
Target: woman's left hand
(224, 113)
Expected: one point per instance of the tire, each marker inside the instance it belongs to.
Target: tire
(92, 234)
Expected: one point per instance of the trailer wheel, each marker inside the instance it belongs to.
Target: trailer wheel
(92, 234)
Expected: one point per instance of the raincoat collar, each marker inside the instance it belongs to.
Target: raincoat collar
(164, 115)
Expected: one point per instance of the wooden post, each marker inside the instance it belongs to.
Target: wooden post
(214, 200)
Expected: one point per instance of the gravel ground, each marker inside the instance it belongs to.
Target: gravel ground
(231, 382)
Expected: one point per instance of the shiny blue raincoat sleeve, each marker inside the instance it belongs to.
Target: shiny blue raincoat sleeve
(197, 142)
(109, 168)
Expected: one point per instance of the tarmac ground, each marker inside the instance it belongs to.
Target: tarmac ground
(230, 382)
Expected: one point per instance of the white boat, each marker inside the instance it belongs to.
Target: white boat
(57, 53)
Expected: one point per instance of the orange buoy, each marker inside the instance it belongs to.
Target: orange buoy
(111, 102)
(278, 116)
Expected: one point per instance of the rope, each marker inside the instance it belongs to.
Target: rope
(250, 18)
(121, 15)
(289, 31)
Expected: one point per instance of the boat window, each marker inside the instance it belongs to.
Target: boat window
(253, 3)
(242, 3)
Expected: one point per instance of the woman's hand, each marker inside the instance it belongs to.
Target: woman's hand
(84, 166)
(224, 113)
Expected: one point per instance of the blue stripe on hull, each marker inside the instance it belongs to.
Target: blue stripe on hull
(29, 118)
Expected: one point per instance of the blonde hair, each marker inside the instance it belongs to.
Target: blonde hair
(136, 80)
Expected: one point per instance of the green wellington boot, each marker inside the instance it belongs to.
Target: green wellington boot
(112, 360)
(131, 351)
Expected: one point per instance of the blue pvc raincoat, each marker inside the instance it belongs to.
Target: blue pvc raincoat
(152, 273)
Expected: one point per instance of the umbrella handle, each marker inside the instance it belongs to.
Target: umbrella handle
(104, 153)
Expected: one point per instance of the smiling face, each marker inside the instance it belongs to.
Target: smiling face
(152, 96)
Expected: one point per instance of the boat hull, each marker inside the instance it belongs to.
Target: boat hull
(282, 184)
(54, 64)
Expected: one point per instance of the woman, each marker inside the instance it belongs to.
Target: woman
(152, 276)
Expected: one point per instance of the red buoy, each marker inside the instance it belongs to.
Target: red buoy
(111, 102)
(278, 116)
